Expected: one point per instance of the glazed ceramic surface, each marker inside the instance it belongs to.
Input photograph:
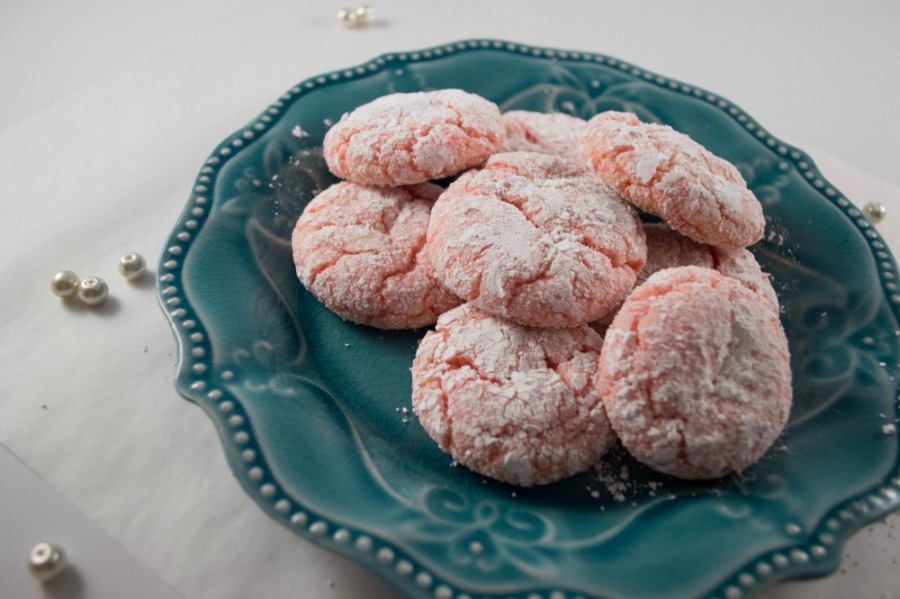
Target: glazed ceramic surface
(315, 413)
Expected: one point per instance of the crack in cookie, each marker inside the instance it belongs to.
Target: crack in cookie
(360, 251)
(511, 402)
(695, 373)
(549, 244)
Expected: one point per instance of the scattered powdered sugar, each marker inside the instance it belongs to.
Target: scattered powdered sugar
(775, 237)
(299, 132)
(616, 483)
(889, 429)
(404, 414)
(613, 480)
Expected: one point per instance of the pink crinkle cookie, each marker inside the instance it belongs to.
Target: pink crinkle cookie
(511, 402)
(359, 251)
(401, 139)
(695, 374)
(547, 133)
(667, 248)
(670, 175)
(535, 239)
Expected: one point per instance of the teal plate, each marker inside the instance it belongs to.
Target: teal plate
(315, 413)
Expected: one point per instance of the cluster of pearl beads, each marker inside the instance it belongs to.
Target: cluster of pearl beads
(356, 17)
(93, 291)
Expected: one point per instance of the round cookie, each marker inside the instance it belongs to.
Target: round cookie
(401, 139)
(668, 174)
(695, 374)
(359, 251)
(511, 402)
(667, 248)
(547, 133)
(535, 239)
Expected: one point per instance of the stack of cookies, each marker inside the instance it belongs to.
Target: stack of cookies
(562, 320)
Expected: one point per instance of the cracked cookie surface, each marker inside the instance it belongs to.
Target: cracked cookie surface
(668, 174)
(535, 239)
(695, 374)
(667, 248)
(546, 133)
(359, 251)
(401, 139)
(511, 402)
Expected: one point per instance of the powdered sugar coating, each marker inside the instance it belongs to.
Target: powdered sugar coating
(668, 174)
(547, 133)
(359, 251)
(695, 374)
(511, 402)
(667, 248)
(535, 239)
(401, 139)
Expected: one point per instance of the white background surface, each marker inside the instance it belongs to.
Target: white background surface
(107, 112)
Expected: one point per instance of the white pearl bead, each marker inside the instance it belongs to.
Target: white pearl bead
(64, 283)
(876, 212)
(46, 560)
(93, 291)
(132, 266)
(356, 17)
(365, 13)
